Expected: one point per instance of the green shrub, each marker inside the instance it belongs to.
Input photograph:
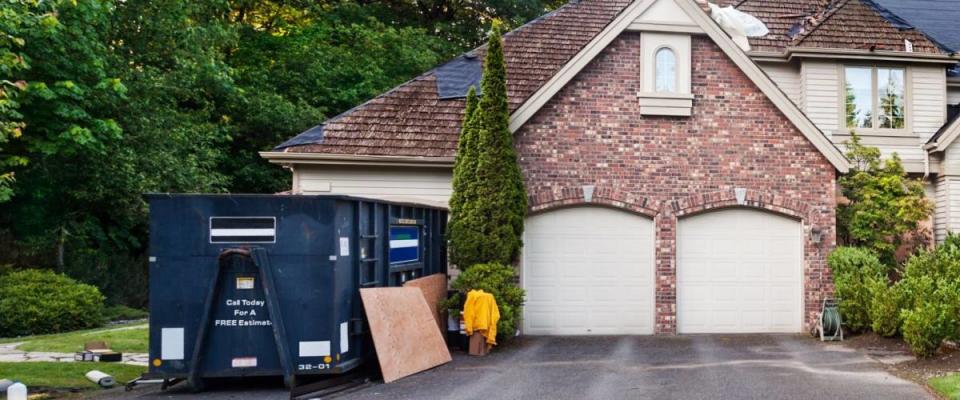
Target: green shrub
(121, 312)
(921, 329)
(930, 296)
(499, 280)
(853, 269)
(36, 301)
(885, 308)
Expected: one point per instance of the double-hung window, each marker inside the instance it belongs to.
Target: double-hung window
(875, 97)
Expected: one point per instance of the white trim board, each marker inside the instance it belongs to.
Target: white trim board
(946, 139)
(623, 21)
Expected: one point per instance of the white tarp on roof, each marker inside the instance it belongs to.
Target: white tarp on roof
(738, 24)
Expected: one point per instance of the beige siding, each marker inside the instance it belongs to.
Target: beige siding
(820, 82)
(947, 214)
(787, 77)
(928, 99)
(950, 165)
(941, 212)
(382, 182)
(953, 95)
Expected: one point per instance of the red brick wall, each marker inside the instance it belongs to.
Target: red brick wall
(592, 134)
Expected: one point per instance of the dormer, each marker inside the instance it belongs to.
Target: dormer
(665, 65)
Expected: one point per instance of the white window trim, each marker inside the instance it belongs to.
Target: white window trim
(907, 101)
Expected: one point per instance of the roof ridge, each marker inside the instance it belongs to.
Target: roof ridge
(840, 4)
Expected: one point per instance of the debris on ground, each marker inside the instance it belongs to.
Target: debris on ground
(100, 378)
(404, 331)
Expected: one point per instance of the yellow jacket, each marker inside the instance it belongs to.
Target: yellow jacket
(480, 313)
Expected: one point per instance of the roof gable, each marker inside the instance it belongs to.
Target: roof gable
(412, 121)
(721, 38)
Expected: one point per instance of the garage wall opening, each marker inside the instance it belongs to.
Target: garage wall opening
(739, 270)
(588, 271)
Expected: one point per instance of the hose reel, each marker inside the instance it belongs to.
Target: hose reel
(830, 324)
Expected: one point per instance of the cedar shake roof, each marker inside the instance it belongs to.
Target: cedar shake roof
(855, 25)
(412, 121)
(779, 16)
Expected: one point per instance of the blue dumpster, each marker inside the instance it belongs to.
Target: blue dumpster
(268, 285)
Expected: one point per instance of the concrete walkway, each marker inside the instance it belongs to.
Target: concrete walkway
(9, 352)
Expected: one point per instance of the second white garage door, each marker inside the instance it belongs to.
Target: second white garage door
(588, 271)
(738, 271)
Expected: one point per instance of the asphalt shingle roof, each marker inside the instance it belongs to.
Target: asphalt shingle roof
(936, 18)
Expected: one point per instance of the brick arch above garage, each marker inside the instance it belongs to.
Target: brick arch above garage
(591, 134)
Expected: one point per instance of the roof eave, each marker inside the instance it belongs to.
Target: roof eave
(288, 158)
(796, 53)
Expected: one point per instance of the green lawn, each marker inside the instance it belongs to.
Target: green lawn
(948, 386)
(66, 374)
(132, 340)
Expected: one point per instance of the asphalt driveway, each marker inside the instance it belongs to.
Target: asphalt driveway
(640, 367)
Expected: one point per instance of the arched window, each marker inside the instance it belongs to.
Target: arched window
(666, 70)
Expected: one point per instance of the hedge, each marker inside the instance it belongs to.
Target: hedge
(37, 301)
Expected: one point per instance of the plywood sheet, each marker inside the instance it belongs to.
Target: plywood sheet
(403, 331)
(434, 288)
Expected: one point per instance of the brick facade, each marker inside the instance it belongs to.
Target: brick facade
(592, 134)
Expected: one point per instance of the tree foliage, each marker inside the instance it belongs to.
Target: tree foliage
(104, 100)
(488, 223)
(461, 232)
(883, 205)
(19, 19)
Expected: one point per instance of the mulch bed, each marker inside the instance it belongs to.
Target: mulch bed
(945, 362)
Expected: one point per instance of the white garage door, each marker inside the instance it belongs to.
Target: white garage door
(588, 271)
(738, 271)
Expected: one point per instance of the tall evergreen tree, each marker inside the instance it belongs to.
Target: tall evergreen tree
(500, 202)
(461, 231)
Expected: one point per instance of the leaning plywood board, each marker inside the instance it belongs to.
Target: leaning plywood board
(403, 331)
(434, 288)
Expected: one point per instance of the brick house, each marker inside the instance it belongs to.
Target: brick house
(681, 180)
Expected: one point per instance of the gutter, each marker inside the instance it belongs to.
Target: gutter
(796, 53)
(290, 158)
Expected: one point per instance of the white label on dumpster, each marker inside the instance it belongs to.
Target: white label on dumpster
(171, 343)
(244, 362)
(315, 349)
(344, 246)
(344, 338)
